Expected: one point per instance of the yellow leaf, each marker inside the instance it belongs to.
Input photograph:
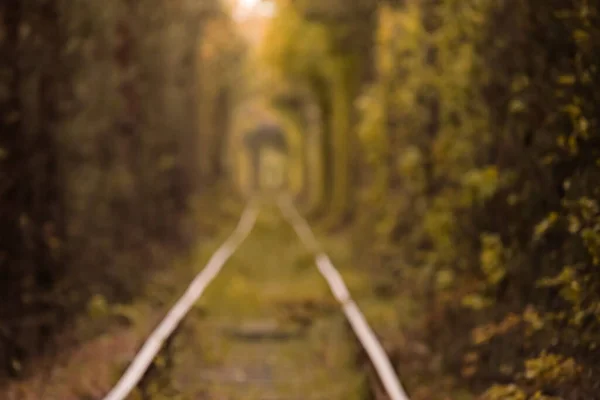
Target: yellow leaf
(580, 35)
(572, 109)
(545, 225)
(475, 302)
(566, 79)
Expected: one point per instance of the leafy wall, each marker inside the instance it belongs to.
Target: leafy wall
(474, 157)
(482, 138)
(99, 149)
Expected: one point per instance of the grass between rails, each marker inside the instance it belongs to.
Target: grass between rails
(266, 328)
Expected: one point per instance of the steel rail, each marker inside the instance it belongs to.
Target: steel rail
(167, 326)
(357, 321)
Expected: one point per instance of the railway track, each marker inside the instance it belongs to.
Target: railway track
(258, 357)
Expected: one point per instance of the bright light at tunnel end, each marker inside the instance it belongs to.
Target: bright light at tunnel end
(248, 8)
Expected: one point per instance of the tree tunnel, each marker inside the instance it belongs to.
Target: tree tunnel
(460, 158)
(268, 149)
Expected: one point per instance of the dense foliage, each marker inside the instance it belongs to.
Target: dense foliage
(324, 49)
(479, 167)
(99, 151)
